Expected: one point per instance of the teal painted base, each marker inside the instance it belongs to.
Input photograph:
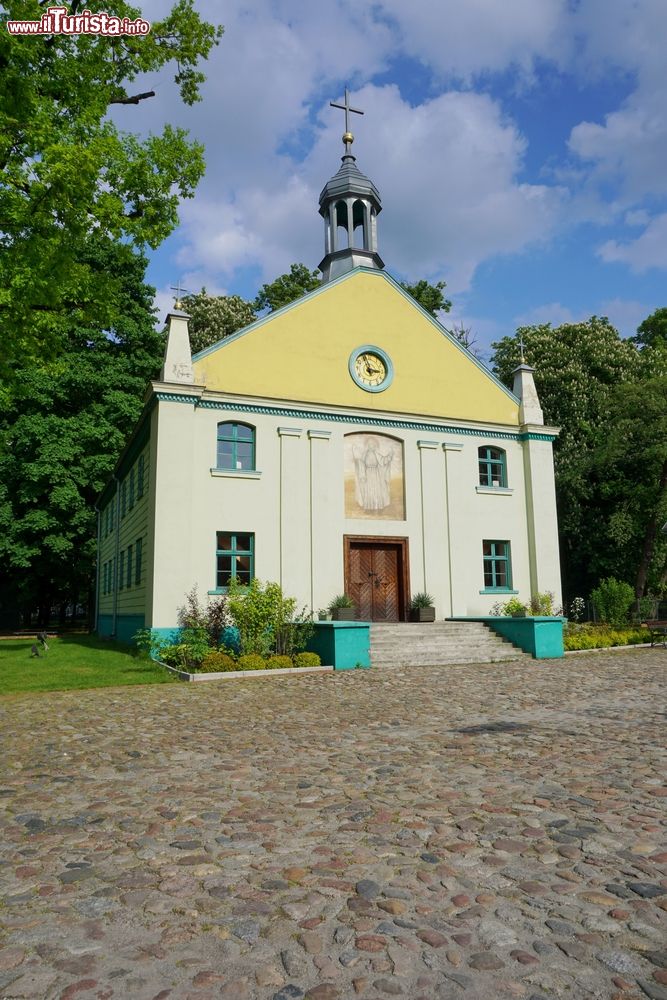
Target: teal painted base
(342, 645)
(538, 635)
(126, 626)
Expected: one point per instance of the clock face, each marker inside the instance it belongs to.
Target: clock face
(371, 368)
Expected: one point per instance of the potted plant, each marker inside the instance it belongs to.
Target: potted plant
(515, 609)
(422, 608)
(342, 608)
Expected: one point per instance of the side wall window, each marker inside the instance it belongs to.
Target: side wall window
(140, 477)
(236, 446)
(137, 561)
(235, 558)
(497, 565)
(492, 466)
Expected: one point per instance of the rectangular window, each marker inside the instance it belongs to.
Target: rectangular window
(140, 477)
(234, 558)
(111, 515)
(121, 574)
(131, 500)
(128, 578)
(113, 574)
(497, 565)
(123, 499)
(137, 561)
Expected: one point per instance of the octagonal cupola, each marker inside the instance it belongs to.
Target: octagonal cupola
(349, 204)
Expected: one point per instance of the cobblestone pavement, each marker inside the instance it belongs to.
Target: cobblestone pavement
(474, 832)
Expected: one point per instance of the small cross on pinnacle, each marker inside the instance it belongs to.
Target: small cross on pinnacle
(348, 138)
(523, 359)
(179, 292)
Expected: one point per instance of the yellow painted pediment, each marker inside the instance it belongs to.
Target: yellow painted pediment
(301, 353)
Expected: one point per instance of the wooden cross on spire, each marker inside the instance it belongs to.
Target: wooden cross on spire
(348, 138)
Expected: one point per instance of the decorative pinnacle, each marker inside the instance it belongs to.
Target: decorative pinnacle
(348, 138)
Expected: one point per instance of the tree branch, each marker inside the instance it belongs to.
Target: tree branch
(132, 100)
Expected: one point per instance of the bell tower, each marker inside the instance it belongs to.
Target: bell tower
(349, 204)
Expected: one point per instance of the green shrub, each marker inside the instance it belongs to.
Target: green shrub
(213, 618)
(307, 660)
(612, 600)
(174, 655)
(542, 604)
(218, 661)
(267, 621)
(251, 661)
(279, 662)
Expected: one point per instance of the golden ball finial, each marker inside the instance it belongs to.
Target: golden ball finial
(348, 138)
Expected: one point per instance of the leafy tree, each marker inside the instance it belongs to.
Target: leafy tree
(577, 367)
(213, 317)
(429, 296)
(652, 332)
(67, 170)
(287, 288)
(62, 428)
(631, 462)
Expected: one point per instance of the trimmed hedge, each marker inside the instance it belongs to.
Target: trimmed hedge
(601, 636)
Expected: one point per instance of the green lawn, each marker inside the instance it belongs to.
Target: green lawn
(74, 662)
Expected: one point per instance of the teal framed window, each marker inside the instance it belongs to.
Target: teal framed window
(235, 558)
(140, 477)
(121, 572)
(137, 560)
(123, 499)
(131, 498)
(492, 467)
(236, 447)
(111, 516)
(497, 565)
(128, 577)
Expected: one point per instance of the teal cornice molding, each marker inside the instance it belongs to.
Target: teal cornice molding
(531, 436)
(348, 418)
(176, 397)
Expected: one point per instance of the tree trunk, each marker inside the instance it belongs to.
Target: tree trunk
(650, 536)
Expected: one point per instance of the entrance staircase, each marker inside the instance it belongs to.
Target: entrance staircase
(404, 644)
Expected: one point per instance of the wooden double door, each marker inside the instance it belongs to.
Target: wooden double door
(376, 577)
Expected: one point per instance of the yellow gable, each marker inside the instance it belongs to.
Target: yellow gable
(302, 352)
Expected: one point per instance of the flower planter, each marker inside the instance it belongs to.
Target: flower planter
(422, 614)
(343, 615)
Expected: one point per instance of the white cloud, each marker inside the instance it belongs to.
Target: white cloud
(629, 147)
(552, 312)
(647, 251)
(465, 39)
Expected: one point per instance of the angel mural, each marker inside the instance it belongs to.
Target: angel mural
(374, 463)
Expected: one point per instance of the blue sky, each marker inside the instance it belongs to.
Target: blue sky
(520, 149)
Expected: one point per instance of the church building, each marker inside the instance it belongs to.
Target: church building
(346, 443)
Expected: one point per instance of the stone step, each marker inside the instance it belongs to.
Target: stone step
(411, 644)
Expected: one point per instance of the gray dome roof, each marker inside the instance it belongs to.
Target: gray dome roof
(349, 180)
